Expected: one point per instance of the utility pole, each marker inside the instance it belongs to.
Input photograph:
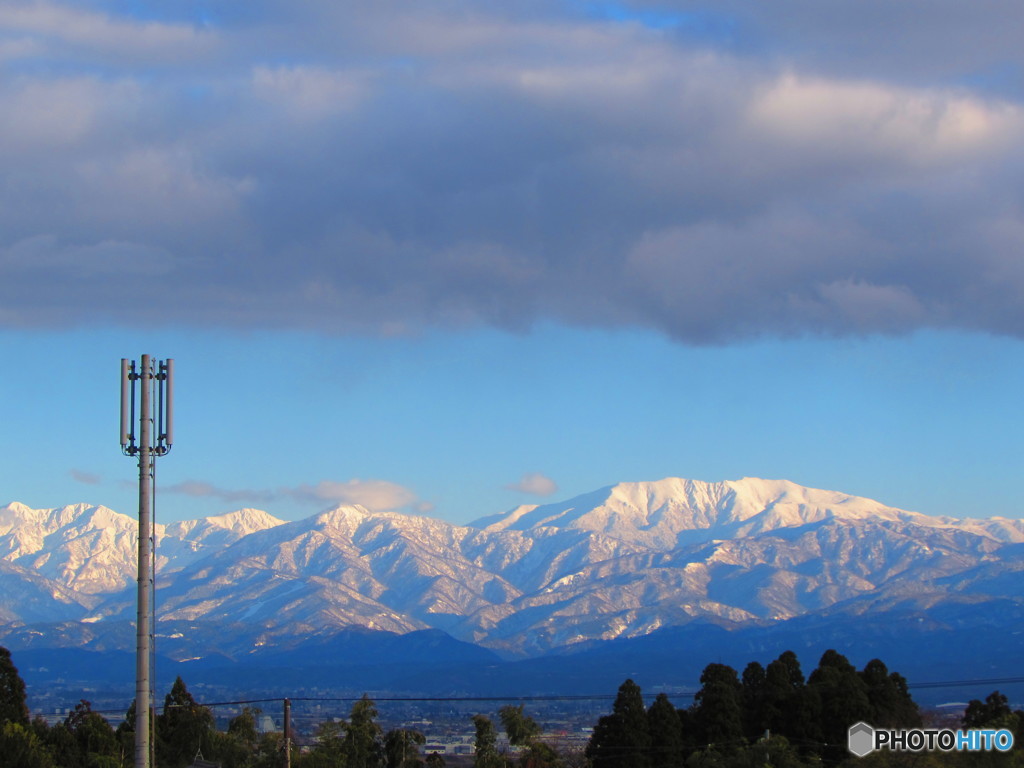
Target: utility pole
(143, 383)
(287, 733)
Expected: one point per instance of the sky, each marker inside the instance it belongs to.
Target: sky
(448, 258)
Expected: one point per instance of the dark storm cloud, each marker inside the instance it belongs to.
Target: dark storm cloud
(346, 167)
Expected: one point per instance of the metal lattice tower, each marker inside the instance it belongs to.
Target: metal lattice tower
(141, 385)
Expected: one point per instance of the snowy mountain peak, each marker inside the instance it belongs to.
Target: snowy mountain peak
(48, 521)
(241, 522)
(616, 562)
(15, 509)
(664, 513)
(344, 516)
(16, 515)
(93, 549)
(245, 521)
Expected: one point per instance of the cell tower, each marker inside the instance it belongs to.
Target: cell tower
(141, 385)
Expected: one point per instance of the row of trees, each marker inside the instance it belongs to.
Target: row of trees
(766, 716)
(184, 729)
(774, 716)
(763, 706)
(360, 742)
(85, 739)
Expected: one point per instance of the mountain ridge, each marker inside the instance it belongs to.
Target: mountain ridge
(622, 561)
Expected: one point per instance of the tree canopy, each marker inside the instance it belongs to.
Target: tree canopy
(13, 706)
(622, 739)
(768, 716)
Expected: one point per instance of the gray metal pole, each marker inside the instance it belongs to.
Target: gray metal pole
(142, 628)
(287, 733)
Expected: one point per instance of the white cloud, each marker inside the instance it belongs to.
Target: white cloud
(63, 113)
(534, 483)
(102, 33)
(308, 93)
(375, 495)
(895, 123)
(358, 168)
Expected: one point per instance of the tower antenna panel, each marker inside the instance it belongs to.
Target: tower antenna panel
(169, 403)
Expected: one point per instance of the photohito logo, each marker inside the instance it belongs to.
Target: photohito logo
(863, 739)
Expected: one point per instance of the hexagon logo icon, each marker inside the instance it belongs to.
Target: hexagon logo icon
(861, 739)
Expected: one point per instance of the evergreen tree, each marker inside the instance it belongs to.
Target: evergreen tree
(665, 732)
(62, 745)
(718, 718)
(622, 739)
(83, 740)
(96, 740)
(632, 717)
(601, 751)
(402, 748)
(790, 708)
(361, 744)
(844, 701)
(13, 706)
(790, 665)
(753, 693)
(994, 712)
(889, 697)
(520, 728)
(183, 729)
(485, 752)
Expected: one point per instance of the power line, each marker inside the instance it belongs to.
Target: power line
(527, 698)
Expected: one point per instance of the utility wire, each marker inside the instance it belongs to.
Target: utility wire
(540, 697)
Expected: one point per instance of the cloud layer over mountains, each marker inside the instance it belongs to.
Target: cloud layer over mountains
(352, 166)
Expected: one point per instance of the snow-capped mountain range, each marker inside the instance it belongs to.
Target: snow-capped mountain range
(619, 562)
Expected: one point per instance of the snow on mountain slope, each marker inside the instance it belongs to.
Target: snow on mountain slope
(94, 550)
(618, 562)
(222, 529)
(183, 542)
(383, 570)
(27, 597)
(89, 549)
(664, 514)
(767, 551)
(674, 511)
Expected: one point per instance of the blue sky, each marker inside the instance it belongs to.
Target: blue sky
(449, 258)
